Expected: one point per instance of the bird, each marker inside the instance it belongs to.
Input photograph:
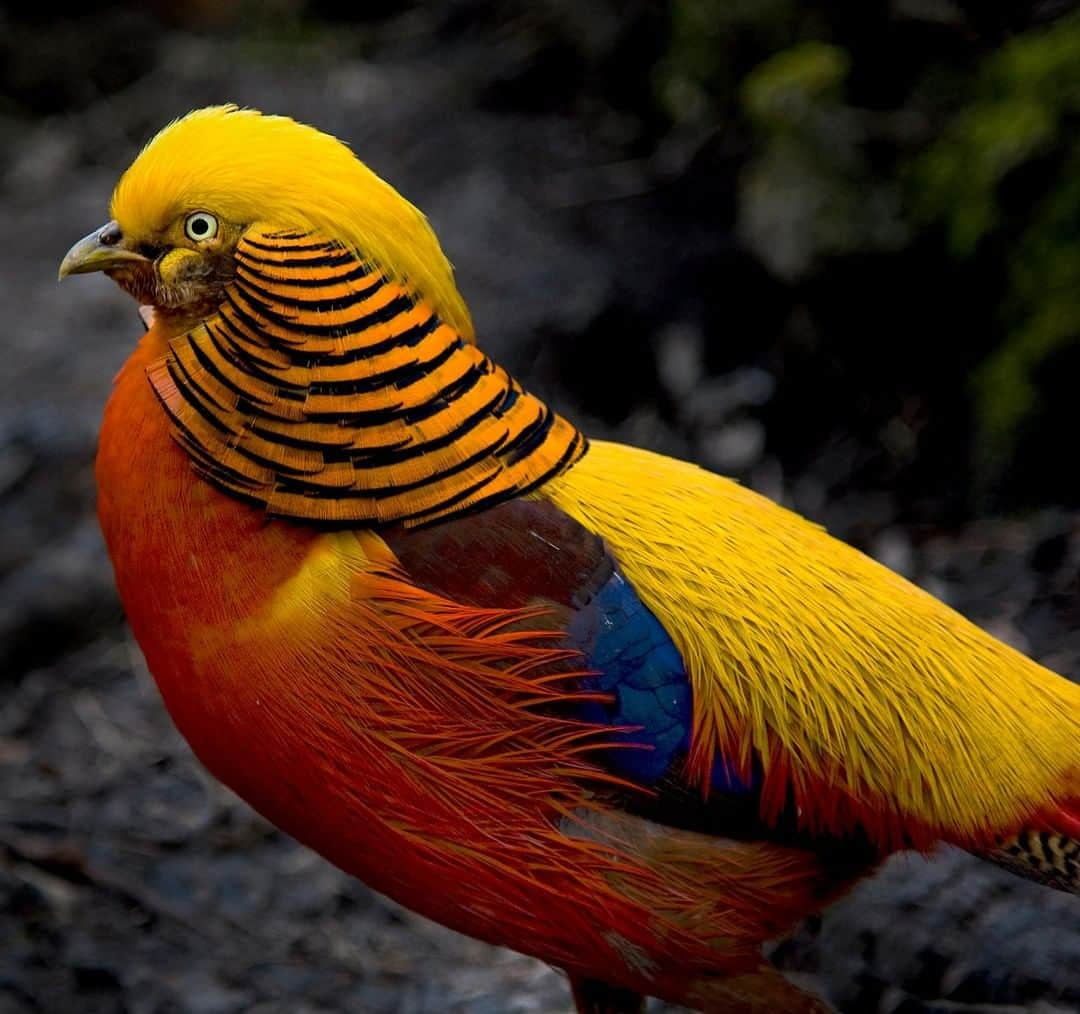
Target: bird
(571, 697)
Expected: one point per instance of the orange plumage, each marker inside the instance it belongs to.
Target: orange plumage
(395, 733)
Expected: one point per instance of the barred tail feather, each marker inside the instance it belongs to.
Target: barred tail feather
(1049, 854)
(1042, 856)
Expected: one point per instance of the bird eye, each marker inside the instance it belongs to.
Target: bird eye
(200, 226)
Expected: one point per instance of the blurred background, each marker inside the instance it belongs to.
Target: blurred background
(829, 248)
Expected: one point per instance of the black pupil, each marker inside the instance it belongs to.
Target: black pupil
(200, 226)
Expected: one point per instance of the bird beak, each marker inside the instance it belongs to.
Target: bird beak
(102, 250)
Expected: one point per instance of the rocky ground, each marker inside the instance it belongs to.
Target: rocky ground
(129, 881)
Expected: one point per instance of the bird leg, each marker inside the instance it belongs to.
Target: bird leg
(591, 996)
(763, 991)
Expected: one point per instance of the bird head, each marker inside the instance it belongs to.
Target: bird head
(310, 348)
(180, 209)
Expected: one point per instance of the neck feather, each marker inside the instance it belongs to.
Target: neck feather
(328, 393)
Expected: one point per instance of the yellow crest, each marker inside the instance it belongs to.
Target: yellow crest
(248, 167)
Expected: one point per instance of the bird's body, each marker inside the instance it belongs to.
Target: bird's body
(260, 636)
(584, 701)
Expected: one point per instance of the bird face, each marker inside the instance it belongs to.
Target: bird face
(180, 269)
(185, 202)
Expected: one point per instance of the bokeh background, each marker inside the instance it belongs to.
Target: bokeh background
(830, 248)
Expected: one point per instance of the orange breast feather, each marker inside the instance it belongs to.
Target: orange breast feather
(399, 734)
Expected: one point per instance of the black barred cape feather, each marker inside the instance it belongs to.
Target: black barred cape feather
(328, 392)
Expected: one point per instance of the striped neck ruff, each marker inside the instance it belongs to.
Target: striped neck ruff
(328, 393)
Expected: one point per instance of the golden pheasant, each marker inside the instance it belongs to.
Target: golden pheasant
(581, 700)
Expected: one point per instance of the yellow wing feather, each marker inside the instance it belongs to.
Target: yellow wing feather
(809, 652)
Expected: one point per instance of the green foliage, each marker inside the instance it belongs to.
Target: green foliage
(956, 158)
(958, 179)
(1043, 312)
(697, 74)
(808, 192)
(788, 90)
(1024, 112)
(1022, 98)
(1043, 65)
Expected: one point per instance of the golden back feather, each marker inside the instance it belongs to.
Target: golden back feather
(811, 653)
(247, 167)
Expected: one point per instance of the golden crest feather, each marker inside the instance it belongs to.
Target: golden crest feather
(251, 168)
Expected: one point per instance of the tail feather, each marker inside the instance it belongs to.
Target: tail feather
(1049, 853)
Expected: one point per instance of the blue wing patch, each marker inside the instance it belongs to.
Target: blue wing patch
(638, 664)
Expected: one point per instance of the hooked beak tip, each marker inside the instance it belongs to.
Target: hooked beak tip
(102, 250)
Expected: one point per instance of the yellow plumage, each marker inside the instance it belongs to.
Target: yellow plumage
(248, 162)
(795, 641)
